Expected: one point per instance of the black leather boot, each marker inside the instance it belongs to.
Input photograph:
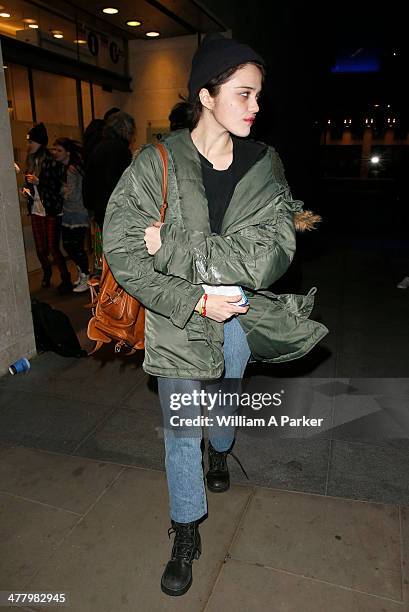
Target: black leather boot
(218, 477)
(177, 577)
(47, 272)
(66, 285)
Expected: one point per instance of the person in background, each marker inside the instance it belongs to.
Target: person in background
(107, 163)
(94, 132)
(43, 188)
(75, 220)
(179, 116)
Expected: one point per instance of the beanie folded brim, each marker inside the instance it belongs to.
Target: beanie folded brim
(216, 55)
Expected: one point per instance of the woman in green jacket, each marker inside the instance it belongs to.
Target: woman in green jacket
(203, 275)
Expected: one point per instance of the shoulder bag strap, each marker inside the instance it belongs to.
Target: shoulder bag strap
(164, 157)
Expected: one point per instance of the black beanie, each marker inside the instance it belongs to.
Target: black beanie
(215, 55)
(38, 133)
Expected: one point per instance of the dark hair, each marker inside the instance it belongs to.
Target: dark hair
(74, 148)
(111, 111)
(179, 116)
(120, 124)
(34, 161)
(193, 108)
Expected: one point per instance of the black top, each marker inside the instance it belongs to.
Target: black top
(220, 184)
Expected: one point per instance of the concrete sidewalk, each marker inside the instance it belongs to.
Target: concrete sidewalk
(322, 524)
(98, 532)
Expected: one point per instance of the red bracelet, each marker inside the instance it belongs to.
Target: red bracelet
(204, 305)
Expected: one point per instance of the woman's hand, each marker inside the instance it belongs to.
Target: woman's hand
(152, 238)
(32, 178)
(222, 307)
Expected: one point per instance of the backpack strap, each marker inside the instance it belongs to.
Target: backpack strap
(164, 157)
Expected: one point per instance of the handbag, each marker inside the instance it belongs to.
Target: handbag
(117, 315)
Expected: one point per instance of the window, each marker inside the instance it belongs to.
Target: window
(104, 100)
(18, 93)
(55, 98)
(86, 102)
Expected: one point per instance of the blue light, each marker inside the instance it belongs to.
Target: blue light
(361, 60)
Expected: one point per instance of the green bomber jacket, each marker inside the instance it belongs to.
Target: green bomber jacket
(255, 247)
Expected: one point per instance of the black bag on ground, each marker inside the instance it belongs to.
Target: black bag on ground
(53, 331)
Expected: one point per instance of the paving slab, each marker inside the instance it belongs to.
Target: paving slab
(67, 482)
(360, 338)
(37, 419)
(13, 609)
(4, 447)
(388, 365)
(368, 472)
(243, 588)
(297, 465)
(115, 557)
(372, 418)
(29, 532)
(404, 516)
(43, 368)
(298, 397)
(104, 379)
(347, 543)
(133, 434)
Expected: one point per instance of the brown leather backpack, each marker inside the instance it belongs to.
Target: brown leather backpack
(117, 315)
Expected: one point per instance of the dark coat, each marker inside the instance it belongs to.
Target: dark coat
(105, 167)
(50, 177)
(92, 137)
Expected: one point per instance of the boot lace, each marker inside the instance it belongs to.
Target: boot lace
(218, 460)
(184, 545)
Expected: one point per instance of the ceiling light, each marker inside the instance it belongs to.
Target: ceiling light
(110, 10)
(58, 36)
(5, 15)
(34, 26)
(57, 33)
(29, 21)
(152, 34)
(134, 23)
(5, 67)
(80, 41)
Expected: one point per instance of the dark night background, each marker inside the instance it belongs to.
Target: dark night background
(301, 42)
(362, 248)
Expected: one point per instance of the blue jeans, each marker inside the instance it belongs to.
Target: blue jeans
(184, 471)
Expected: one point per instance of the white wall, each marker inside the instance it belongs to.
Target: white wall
(16, 325)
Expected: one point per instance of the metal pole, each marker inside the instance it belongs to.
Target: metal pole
(91, 95)
(79, 107)
(32, 97)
